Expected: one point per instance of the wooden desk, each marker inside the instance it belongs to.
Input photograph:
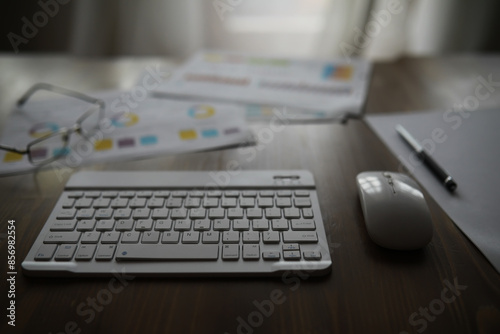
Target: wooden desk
(370, 290)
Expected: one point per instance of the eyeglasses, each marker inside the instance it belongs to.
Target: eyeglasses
(54, 145)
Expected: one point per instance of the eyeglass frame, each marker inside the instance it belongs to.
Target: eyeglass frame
(64, 132)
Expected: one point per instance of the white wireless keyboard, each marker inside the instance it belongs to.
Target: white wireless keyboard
(183, 224)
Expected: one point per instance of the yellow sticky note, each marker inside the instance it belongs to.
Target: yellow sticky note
(12, 156)
(103, 145)
(187, 134)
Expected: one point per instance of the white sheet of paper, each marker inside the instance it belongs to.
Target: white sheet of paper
(136, 129)
(466, 145)
(324, 89)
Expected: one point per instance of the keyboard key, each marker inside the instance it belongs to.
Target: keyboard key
(105, 252)
(85, 213)
(235, 213)
(231, 193)
(163, 225)
(144, 193)
(303, 225)
(283, 202)
(249, 193)
(247, 202)
(85, 252)
(130, 237)
(260, 224)
(228, 202)
(279, 224)
(251, 237)
(68, 203)
(93, 194)
(127, 194)
(254, 213)
(291, 213)
(170, 237)
(197, 213)
(265, 202)
(110, 237)
(62, 238)
(196, 193)
(266, 193)
(45, 252)
(124, 225)
(302, 202)
(178, 213)
(105, 225)
(251, 252)
(270, 237)
(231, 237)
(302, 193)
(210, 202)
(141, 213)
(284, 193)
(151, 237)
(65, 252)
(144, 225)
(182, 225)
(271, 256)
(85, 225)
(75, 194)
(137, 203)
(104, 214)
(291, 255)
(230, 252)
(91, 237)
(291, 247)
(307, 213)
(174, 203)
(241, 225)
(66, 214)
(102, 203)
(119, 203)
(109, 194)
(221, 224)
(190, 237)
(273, 213)
(179, 193)
(216, 213)
(300, 237)
(161, 193)
(214, 193)
(63, 225)
(210, 237)
(159, 213)
(167, 252)
(156, 203)
(202, 225)
(312, 255)
(192, 203)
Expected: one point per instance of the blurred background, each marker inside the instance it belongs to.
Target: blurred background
(375, 29)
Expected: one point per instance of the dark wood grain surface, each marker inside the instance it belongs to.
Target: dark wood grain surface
(370, 290)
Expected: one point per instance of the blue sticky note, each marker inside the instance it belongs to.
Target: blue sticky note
(149, 140)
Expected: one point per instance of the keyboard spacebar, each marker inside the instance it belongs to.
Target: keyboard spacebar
(141, 252)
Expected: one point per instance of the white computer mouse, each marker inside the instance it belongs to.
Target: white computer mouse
(396, 214)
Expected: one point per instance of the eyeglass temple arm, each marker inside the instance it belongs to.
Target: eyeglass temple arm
(59, 90)
(12, 149)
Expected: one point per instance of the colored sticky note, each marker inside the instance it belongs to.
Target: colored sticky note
(188, 134)
(209, 133)
(149, 140)
(12, 157)
(103, 145)
(57, 152)
(126, 142)
(231, 131)
(39, 153)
